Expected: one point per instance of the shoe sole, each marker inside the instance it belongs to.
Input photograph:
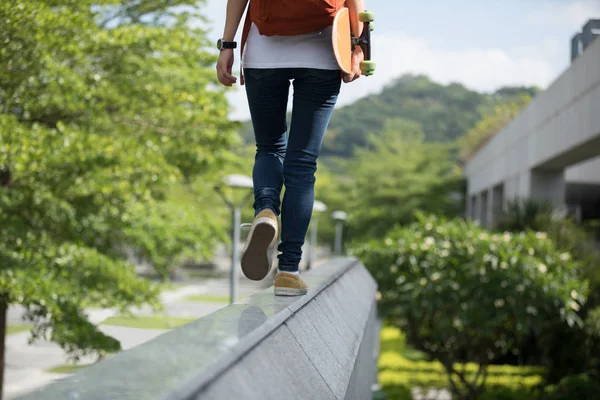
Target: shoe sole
(283, 291)
(255, 260)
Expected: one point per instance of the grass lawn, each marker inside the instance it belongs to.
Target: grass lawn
(208, 298)
(147, 322)
(66, 369)
(401, 369)
(167, 286)
(17, 328)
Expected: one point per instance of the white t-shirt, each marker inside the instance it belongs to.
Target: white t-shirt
(313, 50)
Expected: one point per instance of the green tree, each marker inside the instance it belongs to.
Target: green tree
(104, 106)
(397, 174)
(463, 294)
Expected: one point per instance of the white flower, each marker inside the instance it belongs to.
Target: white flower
(574, 295)
(565, 257)
(520, 288)
(506, 237)
(428, 227)
(541, 235)
(531, 310)
(504, 265)
(457, 323)
(542, 268)
(444, 253)
(400, 280)
(388, 242)
(531, 251)
(429, 241)
(446, 244)
(413, 246)
(393, 269)
(483, 236)
(435, 276)
(574, 306)
(423, 281)
(499, 303)
(455, 286)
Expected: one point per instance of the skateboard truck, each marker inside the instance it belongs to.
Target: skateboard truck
(364, 41)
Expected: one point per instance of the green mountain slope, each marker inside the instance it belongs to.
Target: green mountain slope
(445, 112)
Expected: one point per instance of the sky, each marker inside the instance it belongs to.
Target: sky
(483, 44)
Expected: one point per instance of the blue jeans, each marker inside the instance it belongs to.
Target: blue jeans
(291, 162)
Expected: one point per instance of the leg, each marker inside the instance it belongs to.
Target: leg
(267, 91)
(315, 95)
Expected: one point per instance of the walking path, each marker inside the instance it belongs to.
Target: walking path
(27, 365)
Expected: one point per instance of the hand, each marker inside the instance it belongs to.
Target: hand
(224, 66)
(357, 57)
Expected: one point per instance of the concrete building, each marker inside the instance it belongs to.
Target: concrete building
(551, 151)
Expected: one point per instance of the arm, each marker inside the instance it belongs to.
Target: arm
(235, 10)
(355, 7)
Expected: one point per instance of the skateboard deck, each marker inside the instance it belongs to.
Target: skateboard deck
(344, 42)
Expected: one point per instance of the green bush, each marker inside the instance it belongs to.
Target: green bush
(399, 375)
(508, 393)
(565, 350)
(579, 387)
(462, 293)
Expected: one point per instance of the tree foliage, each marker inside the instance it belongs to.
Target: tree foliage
(396, 174)
(464, 294)
(104, 106)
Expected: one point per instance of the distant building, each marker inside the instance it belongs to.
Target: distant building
(551, 151)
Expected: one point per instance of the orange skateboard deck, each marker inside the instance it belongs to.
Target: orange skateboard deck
(344, 42)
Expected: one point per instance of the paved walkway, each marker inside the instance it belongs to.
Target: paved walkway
(26, 365)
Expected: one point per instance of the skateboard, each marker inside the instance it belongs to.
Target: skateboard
(344, 42)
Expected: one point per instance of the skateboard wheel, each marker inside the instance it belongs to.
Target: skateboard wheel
(366, 16)
(367, 67)
(371, 27)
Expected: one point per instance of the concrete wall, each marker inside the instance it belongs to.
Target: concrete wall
(557, 132)
(319, 346)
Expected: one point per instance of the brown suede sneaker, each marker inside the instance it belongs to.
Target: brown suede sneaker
(287, 284)
(258, 255)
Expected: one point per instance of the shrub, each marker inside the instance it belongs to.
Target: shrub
(399, 376)
(564, 350)
(579, 387)
(463, 294)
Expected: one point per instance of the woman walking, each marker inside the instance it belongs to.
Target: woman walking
(285, 41)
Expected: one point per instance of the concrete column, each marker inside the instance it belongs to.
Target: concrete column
(477, 214)
(484, 209)
(490, 208)
(548, 186)
(498, 203)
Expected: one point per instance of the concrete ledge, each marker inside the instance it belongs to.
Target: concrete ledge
(323, 345)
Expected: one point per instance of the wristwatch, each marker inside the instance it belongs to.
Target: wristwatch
(223, 44)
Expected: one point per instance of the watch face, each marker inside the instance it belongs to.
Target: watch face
(220, 44)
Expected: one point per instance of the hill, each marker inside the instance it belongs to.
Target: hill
(445, 112)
